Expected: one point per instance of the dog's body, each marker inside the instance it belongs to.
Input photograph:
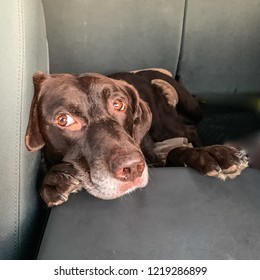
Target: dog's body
(97, 132)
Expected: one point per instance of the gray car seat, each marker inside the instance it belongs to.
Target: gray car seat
(23, 51)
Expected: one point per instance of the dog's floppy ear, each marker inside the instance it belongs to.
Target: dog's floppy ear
(142, 121)
(33, 137)
(142, 118)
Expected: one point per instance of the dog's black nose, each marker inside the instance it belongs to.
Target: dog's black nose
(127, 167)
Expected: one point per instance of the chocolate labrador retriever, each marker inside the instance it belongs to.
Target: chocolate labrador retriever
(98, 133)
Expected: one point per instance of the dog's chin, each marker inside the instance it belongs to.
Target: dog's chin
(109, 188)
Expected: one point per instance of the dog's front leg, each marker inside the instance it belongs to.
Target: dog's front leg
(60, 181)
(215, 161)
(151, 157)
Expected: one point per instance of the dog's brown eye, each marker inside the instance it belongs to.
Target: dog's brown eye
(119, 105)
(64, 120)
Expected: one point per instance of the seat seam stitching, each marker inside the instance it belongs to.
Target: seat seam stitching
(18, 123)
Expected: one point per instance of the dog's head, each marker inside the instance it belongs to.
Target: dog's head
(94, 123)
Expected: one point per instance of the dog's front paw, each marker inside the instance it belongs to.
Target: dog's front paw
(58, 183)
(231, 161)
(215, 161)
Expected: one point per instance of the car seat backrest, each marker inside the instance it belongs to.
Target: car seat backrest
(23, 52)
(110, 36)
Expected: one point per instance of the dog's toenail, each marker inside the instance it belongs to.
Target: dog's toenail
(63, 197)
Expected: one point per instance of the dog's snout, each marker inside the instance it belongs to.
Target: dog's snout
(127, 167)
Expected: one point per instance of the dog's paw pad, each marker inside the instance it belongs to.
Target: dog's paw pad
(213, 173)
(56, 199)
(230, 170)
(236, 169)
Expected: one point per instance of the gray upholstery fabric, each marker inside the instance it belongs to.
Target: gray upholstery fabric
(220, 44)
(23, 51)
(220, 48)
(115, 35)
(179, 215)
